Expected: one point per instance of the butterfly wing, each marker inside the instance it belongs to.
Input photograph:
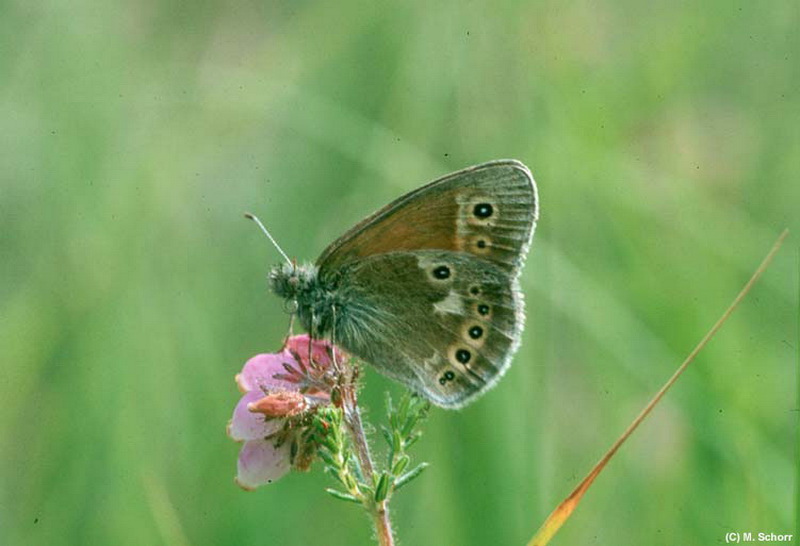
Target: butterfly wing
(427, 288)
(449, 337)
(488, 210)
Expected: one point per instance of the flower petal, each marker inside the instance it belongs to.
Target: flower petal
(258, 373)
(260, 463)
(246, 425)
(320, 350)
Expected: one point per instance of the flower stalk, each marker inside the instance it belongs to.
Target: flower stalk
(378, 505)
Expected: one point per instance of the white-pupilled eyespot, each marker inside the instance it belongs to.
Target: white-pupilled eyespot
(480, 210)
(474, 334)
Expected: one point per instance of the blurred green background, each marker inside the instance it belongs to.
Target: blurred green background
(664, 140)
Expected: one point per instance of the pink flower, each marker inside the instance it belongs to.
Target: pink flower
(279, 389)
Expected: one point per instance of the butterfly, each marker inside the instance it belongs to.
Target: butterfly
(426, 289)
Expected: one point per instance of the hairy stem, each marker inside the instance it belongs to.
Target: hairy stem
(378, 510)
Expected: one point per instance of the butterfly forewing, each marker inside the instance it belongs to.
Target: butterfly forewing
(426, 288)
(488, 210)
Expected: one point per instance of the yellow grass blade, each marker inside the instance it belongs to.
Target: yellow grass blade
(557, 518)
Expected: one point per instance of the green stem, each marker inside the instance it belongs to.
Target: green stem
(378, 510)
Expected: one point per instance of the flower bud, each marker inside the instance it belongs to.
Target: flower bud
(280, 404)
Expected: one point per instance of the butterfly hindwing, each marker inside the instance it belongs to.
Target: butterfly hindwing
(444, 323)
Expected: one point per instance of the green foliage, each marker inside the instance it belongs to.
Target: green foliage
(340, 461)
(401, 435)
(134, 135)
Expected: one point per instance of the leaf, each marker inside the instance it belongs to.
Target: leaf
(326, 456)
(356, 467)
(401, 464)
(410, 475)
(343, 496)
(382, 488)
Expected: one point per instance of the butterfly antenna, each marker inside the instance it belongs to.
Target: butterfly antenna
(269, 236)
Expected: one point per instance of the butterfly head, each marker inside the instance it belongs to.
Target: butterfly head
(288, 280)
(292, 281)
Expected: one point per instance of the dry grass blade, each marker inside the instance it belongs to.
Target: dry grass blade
(557, 518)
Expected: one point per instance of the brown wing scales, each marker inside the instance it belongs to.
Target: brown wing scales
(451, 214)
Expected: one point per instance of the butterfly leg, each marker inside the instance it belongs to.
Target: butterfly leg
(311, 336)
(292, 310)
(290, 333)
(333, 340)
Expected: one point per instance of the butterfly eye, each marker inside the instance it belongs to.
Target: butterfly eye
(483, 309)
(290, 306)
(475, 332)
(463, 356)
(475, 290)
